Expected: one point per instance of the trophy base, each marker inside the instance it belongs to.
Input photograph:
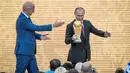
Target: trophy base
(77, 41)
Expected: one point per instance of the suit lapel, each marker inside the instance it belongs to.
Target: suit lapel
(72, 25)
(85, 25)
(23, 16)
(30, 19)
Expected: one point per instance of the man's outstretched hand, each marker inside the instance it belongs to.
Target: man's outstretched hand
(107, 34)
(58, 23)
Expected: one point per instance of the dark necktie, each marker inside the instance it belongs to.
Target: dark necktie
(30, 19)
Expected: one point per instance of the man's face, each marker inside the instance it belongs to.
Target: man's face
(31, 10)
(79, 14)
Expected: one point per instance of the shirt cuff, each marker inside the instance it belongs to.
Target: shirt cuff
(41, 36)
(52, 26)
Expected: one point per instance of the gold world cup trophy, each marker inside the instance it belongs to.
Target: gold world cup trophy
(77, 29)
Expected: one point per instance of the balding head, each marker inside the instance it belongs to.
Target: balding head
(28, 5)
(28, 8)
(86, 67)
(79, 9)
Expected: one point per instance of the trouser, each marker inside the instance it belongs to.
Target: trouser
(26, 62)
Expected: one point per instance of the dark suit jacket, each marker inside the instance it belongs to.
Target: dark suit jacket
(26, 36)
(79, 52)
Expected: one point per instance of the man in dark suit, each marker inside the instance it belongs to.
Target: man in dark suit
(25, 49)
(80, 52)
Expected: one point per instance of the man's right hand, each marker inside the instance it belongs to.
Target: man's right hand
(74, 37)
(58, 23)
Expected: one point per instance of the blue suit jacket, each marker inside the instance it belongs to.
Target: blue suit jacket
(26, 36)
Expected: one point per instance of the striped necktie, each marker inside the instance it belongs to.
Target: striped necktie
(83, 30)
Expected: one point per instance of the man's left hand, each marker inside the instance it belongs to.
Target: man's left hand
(45, 37)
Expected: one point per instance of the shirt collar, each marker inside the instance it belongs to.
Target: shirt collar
(25, 14)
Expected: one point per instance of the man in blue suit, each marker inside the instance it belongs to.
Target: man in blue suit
(25, 49)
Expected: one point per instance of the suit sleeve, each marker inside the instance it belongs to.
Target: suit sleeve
(37, 36)
(31, 26)
(96, 31)
(68, 35)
